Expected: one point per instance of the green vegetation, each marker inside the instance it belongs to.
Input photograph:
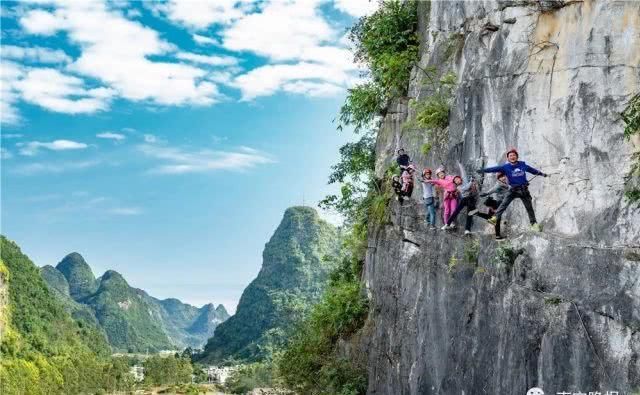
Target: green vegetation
(363, 103)
(455, 42)
(131, 319)
(471, 251)
(248, 377)
(80, 278)
(432, 111)
(469, 256)
(631, 118)
(425, 149)
(43, 350)
(505, 257)
(386, 43)
(355, 173)
(159, 370)
(312, 363)
(125, 316)
(117, 376)
(187, 389)
(452, 264)
(293, 278)
(552, 301)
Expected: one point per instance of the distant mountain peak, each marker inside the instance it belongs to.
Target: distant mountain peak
(111, 274)
(293, 274)
(112, 278)
(131, 319)
(222, 311)
(82, 282)
(55, 279)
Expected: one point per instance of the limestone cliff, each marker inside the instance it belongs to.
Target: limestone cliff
(558, 310)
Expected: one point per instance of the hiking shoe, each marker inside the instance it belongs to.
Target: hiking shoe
(536, 228)
(432, 227)
(467, 232)
(500, 238)
(493, 220)
(452, 227)
(473, 212)
(445, 227)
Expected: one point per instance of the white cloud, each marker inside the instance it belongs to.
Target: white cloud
(116, 50)
(10, 73)
(44, 198)
(203, 13)
(125, 211)
(181, 161)
(211, 60)
(204, 40)
(31, 148)
(123, 54)
(111, 136)
(356, 8)
(10, 135)
(334, 56)
(149, 138)
(54, 167)
(34, 54)
(5, 153)
(269, 79)
(221, 77)
(304, 51)
(59, 92)
(310, 88)
(283, 30)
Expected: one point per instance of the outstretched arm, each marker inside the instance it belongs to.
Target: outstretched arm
(492, 169)
(463, 174)
(437, 182)
(533, 170)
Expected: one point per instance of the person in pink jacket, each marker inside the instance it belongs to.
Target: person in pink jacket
(450, 198)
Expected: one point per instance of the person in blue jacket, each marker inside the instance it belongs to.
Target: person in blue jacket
(516, 172)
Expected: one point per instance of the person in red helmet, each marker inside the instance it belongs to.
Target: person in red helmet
(516, 172)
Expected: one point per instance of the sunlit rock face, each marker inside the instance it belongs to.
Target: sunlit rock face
(558, 310)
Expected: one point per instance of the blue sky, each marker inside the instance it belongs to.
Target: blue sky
(165, 139)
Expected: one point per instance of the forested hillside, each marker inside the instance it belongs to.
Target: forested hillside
(294, 275)
(43, 349)
(132, 320)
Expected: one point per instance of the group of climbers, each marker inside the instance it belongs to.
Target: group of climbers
(459, 192)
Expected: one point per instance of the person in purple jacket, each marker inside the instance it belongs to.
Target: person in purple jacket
(516, 172)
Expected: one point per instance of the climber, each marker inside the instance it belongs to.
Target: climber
(450, 198)
(403, 160)
(397, 187)
(407, 181)
(499, 190)
(516, 172)
(429, 197)
(468, 190)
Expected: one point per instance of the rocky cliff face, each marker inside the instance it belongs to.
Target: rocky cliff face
(558, 310)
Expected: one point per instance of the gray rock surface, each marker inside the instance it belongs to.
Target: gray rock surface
(558, 310)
